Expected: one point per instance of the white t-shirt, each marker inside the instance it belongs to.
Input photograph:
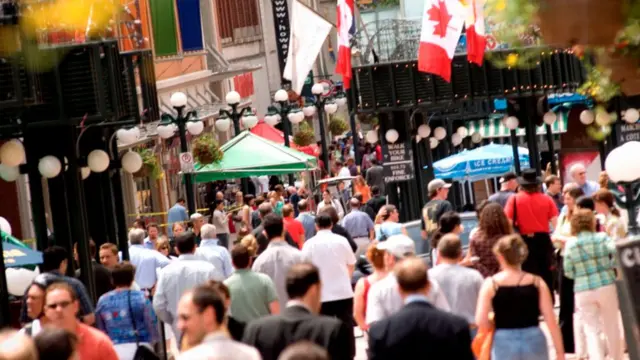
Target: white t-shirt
(332, 255)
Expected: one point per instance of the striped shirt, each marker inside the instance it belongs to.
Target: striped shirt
(589, 260)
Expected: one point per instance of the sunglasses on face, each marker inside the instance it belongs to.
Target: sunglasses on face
(62, 305)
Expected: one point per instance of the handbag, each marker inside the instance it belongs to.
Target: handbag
(142, 352)
(482, 343)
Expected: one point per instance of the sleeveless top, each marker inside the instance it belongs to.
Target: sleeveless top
(516, 307)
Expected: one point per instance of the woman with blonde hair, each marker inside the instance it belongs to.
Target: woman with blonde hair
(376, 259)
(517, 299)
(613, 223)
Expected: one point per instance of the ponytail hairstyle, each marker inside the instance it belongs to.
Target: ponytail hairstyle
(606, 197)
(448, 222)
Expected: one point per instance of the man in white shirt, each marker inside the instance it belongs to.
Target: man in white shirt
(210, 251)
(333, 256)
(384, 297)
(180, 276)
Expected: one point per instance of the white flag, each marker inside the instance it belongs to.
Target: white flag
(308, 32)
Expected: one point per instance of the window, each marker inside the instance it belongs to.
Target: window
(238, 21)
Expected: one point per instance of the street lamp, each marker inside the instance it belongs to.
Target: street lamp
(288, 114)
(627, 174)
(323, 104)
(245, 114)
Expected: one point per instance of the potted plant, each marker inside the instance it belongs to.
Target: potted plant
(150, 165)
(206, 150)
(305, 135)
(337, 126)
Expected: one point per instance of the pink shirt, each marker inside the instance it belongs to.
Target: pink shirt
(93, 344)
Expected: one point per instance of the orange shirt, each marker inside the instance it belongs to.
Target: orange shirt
(364, 191)
(295, 229)
(93, 344)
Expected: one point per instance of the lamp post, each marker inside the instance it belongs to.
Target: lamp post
(511, 123)
(323, 104)
(289, 114)
(245, 114)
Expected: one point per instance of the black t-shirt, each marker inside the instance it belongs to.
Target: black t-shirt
(103, 280)
(431, 214)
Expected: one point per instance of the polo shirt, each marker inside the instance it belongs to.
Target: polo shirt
(295, 229)
(533, 211)
(252, 293)
(93, 344)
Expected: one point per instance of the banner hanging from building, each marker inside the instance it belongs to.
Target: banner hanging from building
(282, 27)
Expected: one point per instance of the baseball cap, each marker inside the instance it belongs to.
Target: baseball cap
(437, 184)
(508, 177)
(399, 246)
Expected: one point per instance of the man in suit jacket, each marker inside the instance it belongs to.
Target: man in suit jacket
(418, 328)
(300, 320)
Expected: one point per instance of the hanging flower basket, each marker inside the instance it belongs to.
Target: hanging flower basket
(305, 135)
(585, 22)
(624, 72)
(338, 126)
(150, 165)
(206, 150)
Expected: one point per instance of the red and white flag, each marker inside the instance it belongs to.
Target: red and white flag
(476, 36)
(441, 27)
(346, 28)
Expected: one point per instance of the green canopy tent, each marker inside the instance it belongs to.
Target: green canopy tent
(251, 155)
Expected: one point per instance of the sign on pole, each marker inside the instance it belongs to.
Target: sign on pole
(629, 291)
(186, 162)
(397, 162)
(628, 132)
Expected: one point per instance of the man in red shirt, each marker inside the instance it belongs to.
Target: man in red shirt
(531, 212)
(293, 226)
(61, 307)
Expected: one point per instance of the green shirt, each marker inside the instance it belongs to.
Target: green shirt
(251, 294)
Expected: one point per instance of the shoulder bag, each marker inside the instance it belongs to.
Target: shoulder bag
(142, 352)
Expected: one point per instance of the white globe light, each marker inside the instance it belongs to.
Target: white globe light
(456, 139)
(476, 137)
(223, 124)
(372, 136)
(166, 131)
(131, 162)
(300, 117)
(631, 116)
(317, 89)
(271, 120)
(309, 110)
(281, 96)
(587, 117)
(249, 121)
(195, 128)
(424, 131)
(330, 108)
(9, 173)
(136, 133)
(125, 137)
(511, 122)
(392, 135)
(5, 226)
(341, 101)
(463, 132)
(66, 164)
(12, 153)
(19, 279)
(292, 116)
(85, 172)
(433, 142)
(178, 99)
(439, 133)
(296, 117)
(618, 166)
(549, 117)
(98, 161)
(233, 98)
(49, 166)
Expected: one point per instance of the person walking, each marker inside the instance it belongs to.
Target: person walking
(375, 257)
(433, 210)
(492, 225)
(508, 187)
(359, 226)
(211, 251)
(307, 219)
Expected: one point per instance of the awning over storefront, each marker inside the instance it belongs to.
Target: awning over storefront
(271, 133)
(495, 128)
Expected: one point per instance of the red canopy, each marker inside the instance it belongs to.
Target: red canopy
(271, 133)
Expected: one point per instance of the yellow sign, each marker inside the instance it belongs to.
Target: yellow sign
(13, 253)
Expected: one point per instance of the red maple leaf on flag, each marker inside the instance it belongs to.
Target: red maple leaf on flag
(441, 16)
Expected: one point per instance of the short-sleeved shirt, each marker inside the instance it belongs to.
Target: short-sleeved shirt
(252, 293)
(295, 229)
(432, 212)
(534, 212)
(387, 229)
(275, 262)
(93, 344)
(589, 261)
(501, 197)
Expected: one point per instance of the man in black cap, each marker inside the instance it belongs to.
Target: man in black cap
(508, 187)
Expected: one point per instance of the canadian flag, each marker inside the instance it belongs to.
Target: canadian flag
(346, 29)
(441, 27)
(476, 36)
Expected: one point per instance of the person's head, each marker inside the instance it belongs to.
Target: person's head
(583, 220)
(493, 222)
(585, 202)
(304, 350)
(136, 236)
(605, 203)
(529, 182)
(181, 201)
(303, 206)
(411, 274)
(108, 255)
(249, 200)
(200, 311)
(358, 196)
(177, 228)
(603, 180)
(61, 306)
(338, 164)
(251, 243)
(571, 196)
(123, 274)
(389, 213)
(17, 346)
(326, 196)
(341, 185)
(287, 211)
(153, 231)
(350, 162)
(450, 222)
(208, 232)
(324, 221)
(218, 204)
(139, 224)
(396, 248)
(163, 246)
(240, 257)
(553, 183)
(220, 196)
(259, 200)
(438, 189)
(56, 344)
(509, 182)
(224, 291)
(273, 226)
(360, 181)
(264, 209)
(55, 258)
(186, 243)
(375, 191)
(239, 197)
(579, 173)
(511, 251)
(374, 162)
(450, 248)
(36, 293)
(197, 220)
(279, 189)
(354, 203)
(303, 284)
(375, 257)
(332, 212)
(92, 250)
(569, 186)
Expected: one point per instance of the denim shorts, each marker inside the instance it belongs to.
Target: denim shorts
(520, 344)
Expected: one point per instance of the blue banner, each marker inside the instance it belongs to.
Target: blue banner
(190, 25)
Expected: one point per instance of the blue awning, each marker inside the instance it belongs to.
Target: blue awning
(15, 256)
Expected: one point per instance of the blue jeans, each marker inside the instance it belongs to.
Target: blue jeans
(519, 344)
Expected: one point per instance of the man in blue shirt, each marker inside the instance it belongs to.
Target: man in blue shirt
(177, 213)
(307, 219)
(579, 174)
(210, 251)
(360, 226)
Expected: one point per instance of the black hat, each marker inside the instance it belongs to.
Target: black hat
(508, 177)
(529, 177)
